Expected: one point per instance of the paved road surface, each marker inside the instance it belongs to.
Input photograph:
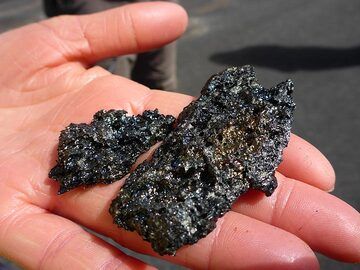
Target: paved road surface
(316, 43)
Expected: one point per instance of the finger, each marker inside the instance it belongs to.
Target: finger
(35, 239)
(326, 223)
(304, 162)
(128, 29)
(47, 45)
(238, 242)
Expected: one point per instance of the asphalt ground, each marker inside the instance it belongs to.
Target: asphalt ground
(315, 43)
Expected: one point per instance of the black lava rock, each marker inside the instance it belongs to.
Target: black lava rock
(227, 141)
(105, 150)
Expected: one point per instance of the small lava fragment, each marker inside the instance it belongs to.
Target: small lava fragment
(229, 140)
(104, 150)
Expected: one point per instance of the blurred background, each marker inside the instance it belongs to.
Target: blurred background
(315, 43)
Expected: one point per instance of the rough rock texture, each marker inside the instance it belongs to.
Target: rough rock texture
(105, 150)
(227, 141)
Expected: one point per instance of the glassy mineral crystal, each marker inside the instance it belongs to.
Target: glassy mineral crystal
(227, 141)
(105, 150)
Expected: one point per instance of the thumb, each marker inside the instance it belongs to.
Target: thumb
(128, 29)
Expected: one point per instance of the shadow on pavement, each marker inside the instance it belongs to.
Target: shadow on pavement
(291, 58)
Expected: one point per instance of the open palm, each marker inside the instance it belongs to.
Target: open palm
(47, 82)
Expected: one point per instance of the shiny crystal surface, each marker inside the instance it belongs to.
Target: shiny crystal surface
(226, 142)
(104, 150)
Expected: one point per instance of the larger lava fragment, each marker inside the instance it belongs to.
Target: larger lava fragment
(104, 150)
(227, 141)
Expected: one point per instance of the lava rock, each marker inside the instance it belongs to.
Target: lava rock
(226, 142)
(104, 150)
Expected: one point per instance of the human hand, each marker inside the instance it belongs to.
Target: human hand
(47, 82)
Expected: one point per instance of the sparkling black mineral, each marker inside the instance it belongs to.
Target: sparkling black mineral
(104, 150)
(227, 141)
